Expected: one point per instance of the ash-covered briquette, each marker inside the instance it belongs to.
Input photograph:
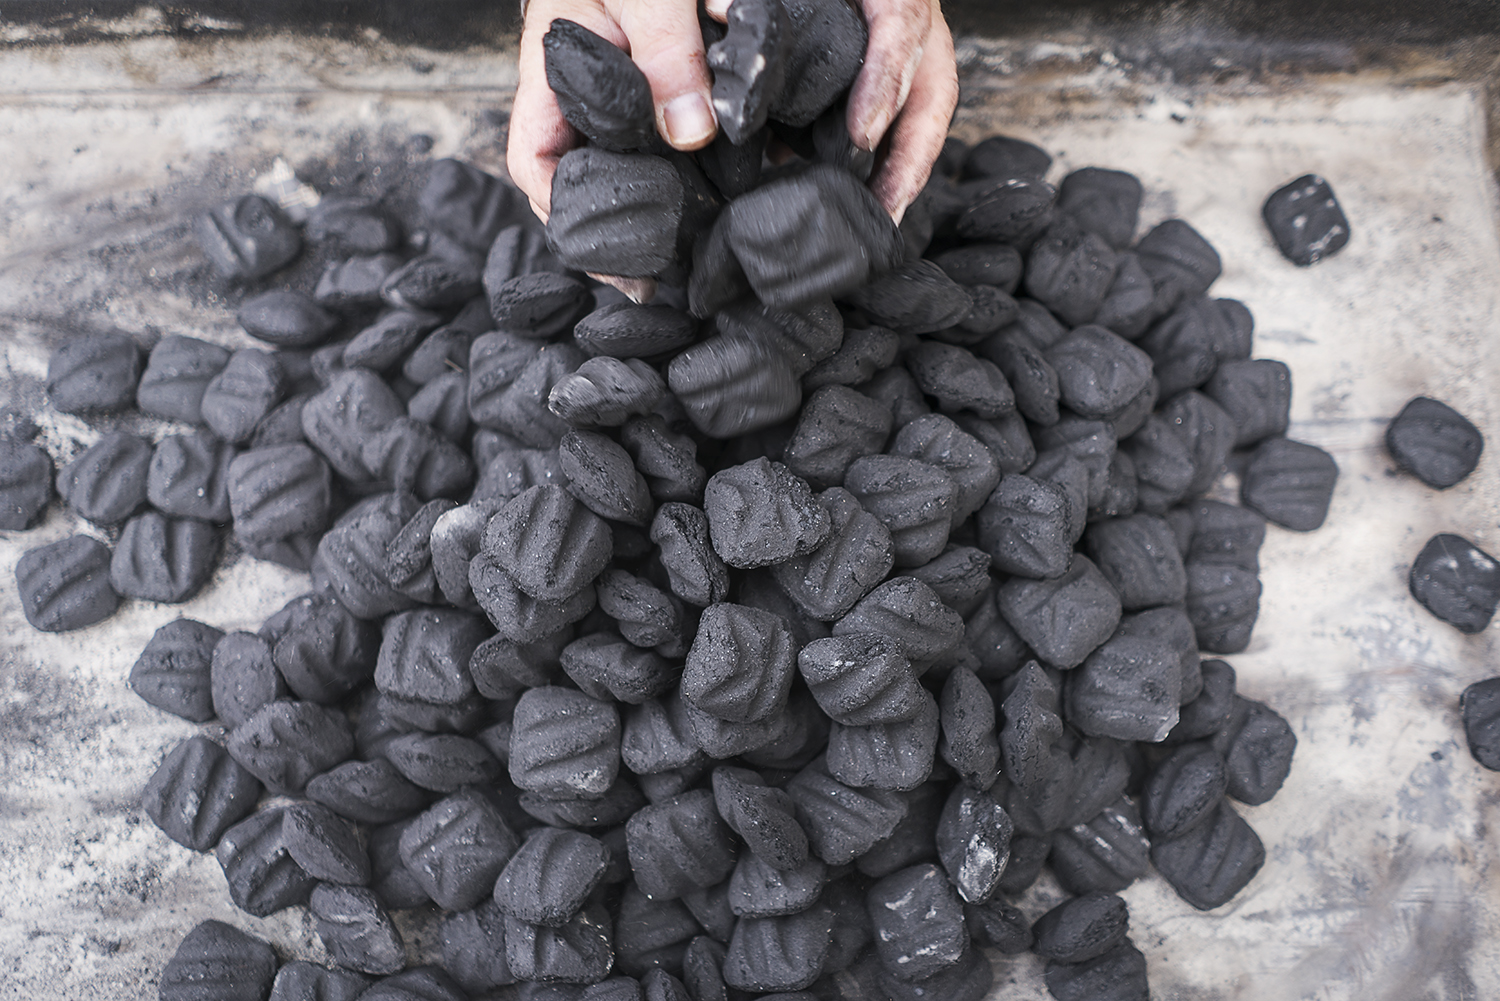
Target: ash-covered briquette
(66, 585)
(1306, 220)
(1435, 443)
(248, 238)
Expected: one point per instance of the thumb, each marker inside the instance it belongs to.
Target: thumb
(667, 44)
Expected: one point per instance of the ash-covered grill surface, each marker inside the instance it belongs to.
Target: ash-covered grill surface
(1377, 878)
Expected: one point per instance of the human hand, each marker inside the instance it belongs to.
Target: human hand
(907, 88)
(665, 42)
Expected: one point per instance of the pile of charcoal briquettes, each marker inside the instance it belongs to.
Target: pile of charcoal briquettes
(771, 638)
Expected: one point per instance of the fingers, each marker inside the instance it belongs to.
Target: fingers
(667, 44)
(899, 31)
(917, 136)
(539, 134)
(717, 9)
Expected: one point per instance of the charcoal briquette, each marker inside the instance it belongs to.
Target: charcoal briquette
(410, 456)
(372, 792)
(1104, 202)
(516, 615)
(550, 876)
(356, 930)
(919, 922)
(431, 281)
(813, 234)
(759, 890)
(218, 962)
(599, 90)
(1257, 745)
(442, 762)
(1139, 557)
(1007, 210)
(1306, 220)
(909, 612)
(1000, 926)
(282, 426)
(760, 514)
(351, 285)
(615, 213)
(248, 238)
(973, 842)
(959, 381)
(189, 477)
(107, 482)
(619, 802)
(548, 543)
(352, 224)
(1099, 373)
(862, 679)
(457, 848)
(826, 583)
(564, 744)
(1257, 396)
(916, 298)
(95, 372)
(679, 845)
(474, 949)
(1035, 765)
(178, 372)
(339, 420)
(326, 846)
(646, 616)
(1181, 263)
(913, 499)
(262, 876)
(741, 664)
(1129, 306)
(628, 330)
(1063, 619)
(997, 651)
(732, 385)
(539, 305)
(466, 204)
(1026, 527)
(197, 793)
(1117, 975)
(606, 392)
(391, 880)
(443, 403)
(285, 743)
(173, 672)
(1213, 861)
(425, 983)
(246, 390)
(749, 67)
(1223, 602)
(969, 741)
(841, 822)
(837, 426)
(393, 334)
(303, 981)
(778, 954)
(656, 737)
(1290, 482)
(1480, 705)
(158, 558)
(1433, 442)
(886, 755)
(1005, 156)
(601, 475)
(501, 667)
(605, 666)
(1106, 854)
(827, 48)
(243, 677)
(864, 352)
(1183, 790)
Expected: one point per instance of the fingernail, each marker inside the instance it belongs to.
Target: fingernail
(899, 212)
(874, 132)
(687, 120)
(717, 8)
